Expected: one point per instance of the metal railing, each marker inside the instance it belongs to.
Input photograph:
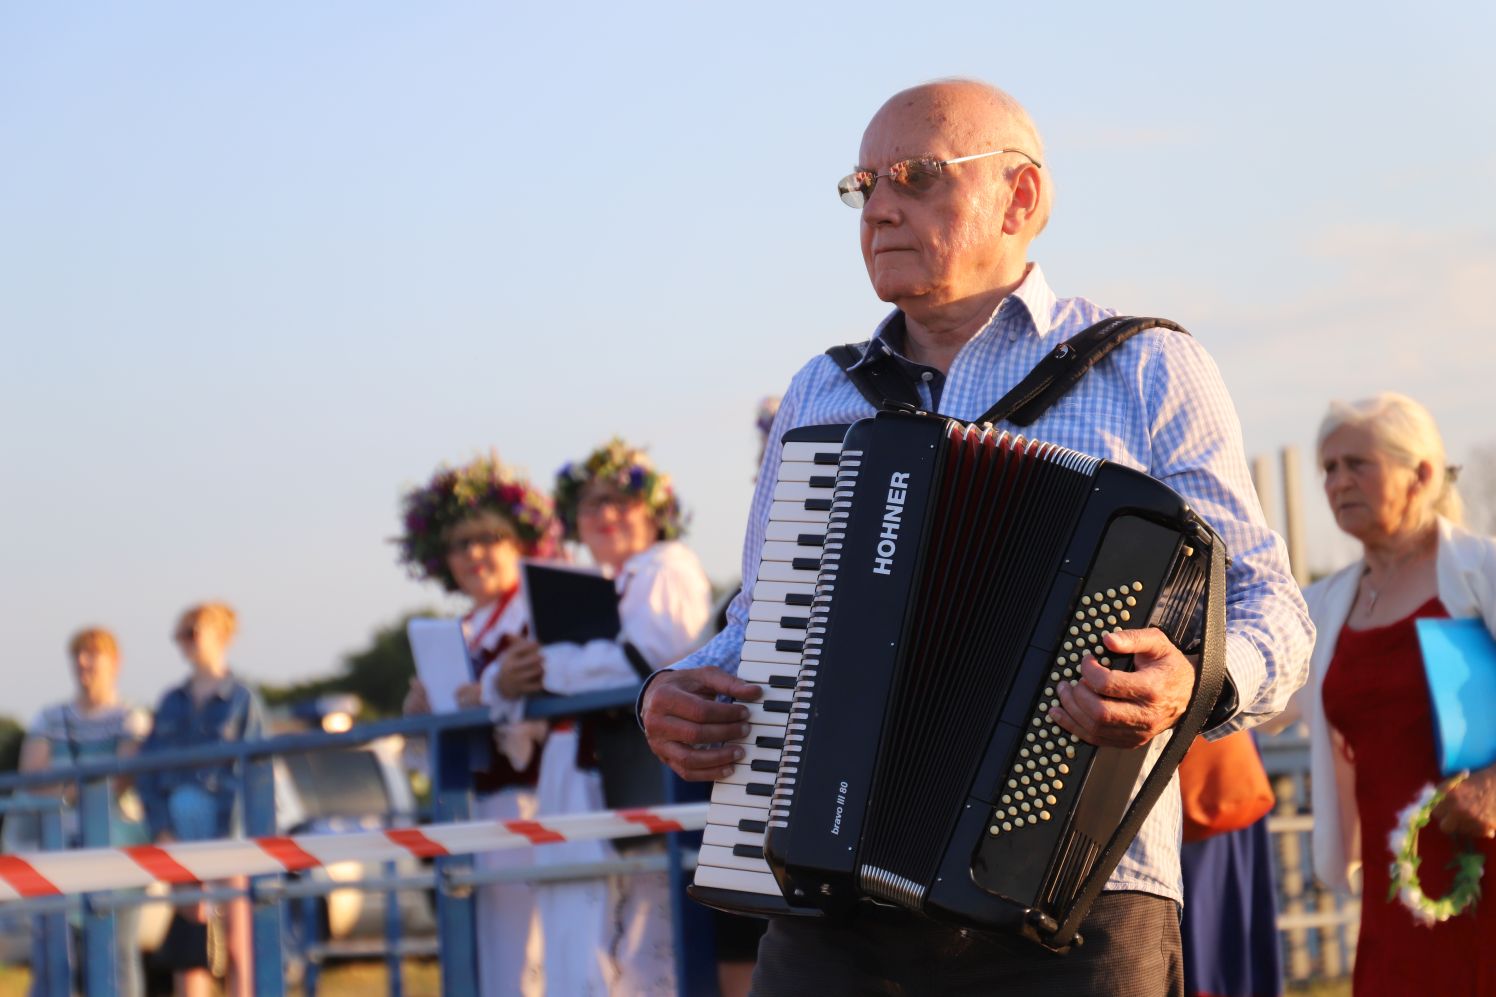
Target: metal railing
(448, 736)
(1317, 927)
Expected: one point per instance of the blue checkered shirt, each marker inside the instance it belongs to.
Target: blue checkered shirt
(1156, 403)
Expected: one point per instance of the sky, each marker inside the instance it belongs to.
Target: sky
(264, 267)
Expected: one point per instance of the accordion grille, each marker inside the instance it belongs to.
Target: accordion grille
(1004, 519)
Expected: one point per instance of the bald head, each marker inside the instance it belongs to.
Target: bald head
(973, 117)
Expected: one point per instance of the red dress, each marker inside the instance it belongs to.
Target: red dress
(1376, 696)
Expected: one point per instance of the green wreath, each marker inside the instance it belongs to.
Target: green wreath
(1405, 885)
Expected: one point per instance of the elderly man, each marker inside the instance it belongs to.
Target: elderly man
(952, 189)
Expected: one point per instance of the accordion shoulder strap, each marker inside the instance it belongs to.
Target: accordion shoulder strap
(881, 379)
(884, 382)
(1066, 364)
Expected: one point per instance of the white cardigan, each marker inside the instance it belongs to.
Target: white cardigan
(1466, 569)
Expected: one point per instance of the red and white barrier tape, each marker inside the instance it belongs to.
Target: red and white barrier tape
(42, 874)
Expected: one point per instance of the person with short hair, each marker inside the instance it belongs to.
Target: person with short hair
(1371, 724)
(612, 936)
(953, 184)
(466, 530)
(95, 724)
(212, 707)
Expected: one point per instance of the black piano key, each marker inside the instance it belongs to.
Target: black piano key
(828, 458)
(764, 741)
(753, 826)
(776, 706)
(764, 765)
(792, 646)
(818, 505)
(759, 789)
(794, 622)
(806, 564)
(811, 540)
(748, 851)
(781, 682)
(799, 598)
(823, 481)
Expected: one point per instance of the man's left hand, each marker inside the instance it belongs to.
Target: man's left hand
(1118, 709)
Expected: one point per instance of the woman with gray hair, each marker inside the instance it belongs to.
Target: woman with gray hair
(1372, 744)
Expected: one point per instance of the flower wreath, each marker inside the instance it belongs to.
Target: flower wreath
(628, 469)
(1404, 872)
(454, 494)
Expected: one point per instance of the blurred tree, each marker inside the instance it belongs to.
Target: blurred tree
(379, 674)
(11, 736)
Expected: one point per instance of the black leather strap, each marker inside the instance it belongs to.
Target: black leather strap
(636, 660)
(1208, 681)
(1066, 364)
(886, 384)
(881, 379)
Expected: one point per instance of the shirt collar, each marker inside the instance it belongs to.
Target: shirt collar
(1031, 305)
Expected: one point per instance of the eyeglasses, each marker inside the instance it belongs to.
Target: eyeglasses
(460, 545)
(910, 176)
(598, 504)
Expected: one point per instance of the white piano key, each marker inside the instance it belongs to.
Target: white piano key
(770, 630)
(806, 452)
(756, 731)
(725, 837)
(728, 815)
(723, 858)
(802, 470)
(738, 796)
(743, 774)
(758, 650)
(738, 879)
(787, 550)
(781, 571)
(773, 612)
(799, 491)
(760, 672)
(795, 512)
(765, 590)
(758, 715)
(791, 532)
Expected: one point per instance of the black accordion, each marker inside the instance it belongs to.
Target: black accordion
(925, 587)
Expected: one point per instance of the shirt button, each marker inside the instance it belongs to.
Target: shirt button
(928, 376)
(1012, 337)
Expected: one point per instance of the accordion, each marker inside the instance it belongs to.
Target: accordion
(924, 588)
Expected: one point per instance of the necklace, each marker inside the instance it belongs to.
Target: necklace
(1391, 572)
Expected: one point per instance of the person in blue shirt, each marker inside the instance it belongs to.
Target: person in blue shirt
(94, 725)
(198, 804)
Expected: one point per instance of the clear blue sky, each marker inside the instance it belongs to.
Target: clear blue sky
(263, 266)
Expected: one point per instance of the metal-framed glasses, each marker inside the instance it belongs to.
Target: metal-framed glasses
(910, 176)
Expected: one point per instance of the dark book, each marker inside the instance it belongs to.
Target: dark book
(570, 604)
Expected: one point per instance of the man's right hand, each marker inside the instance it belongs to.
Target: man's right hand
(681, 713)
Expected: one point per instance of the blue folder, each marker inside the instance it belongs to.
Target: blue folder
(1459, 658)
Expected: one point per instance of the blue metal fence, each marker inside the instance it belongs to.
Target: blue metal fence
(448, 740)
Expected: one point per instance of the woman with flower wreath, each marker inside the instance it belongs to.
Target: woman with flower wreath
(467, 529)
(1372, 743)
(614, 936)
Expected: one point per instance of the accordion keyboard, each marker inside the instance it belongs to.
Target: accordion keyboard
(779, 628)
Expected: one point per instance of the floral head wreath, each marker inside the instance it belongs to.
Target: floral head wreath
(455, 494)
(628, 469)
